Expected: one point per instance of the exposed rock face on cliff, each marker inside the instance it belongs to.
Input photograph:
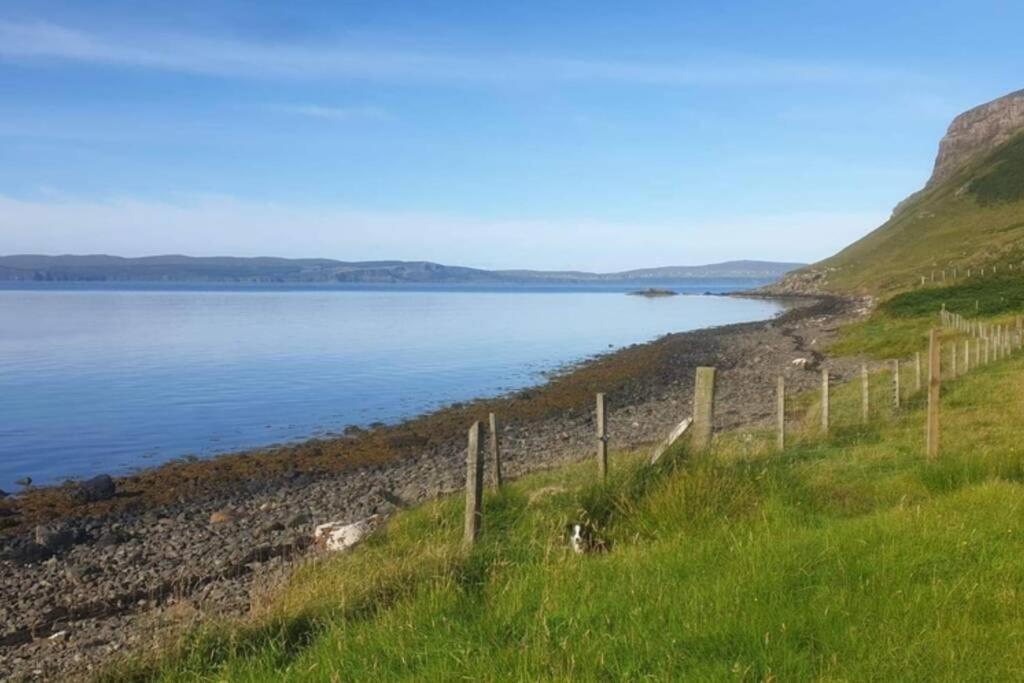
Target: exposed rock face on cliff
(977, 131)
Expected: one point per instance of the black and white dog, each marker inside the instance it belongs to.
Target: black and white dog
(583, 541)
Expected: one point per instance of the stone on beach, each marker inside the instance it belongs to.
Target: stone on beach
(94, 490)
(222, 517)
(339, 536)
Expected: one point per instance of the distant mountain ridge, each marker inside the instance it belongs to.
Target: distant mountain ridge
(175, 268)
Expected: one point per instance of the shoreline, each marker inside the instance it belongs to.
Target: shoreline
(155, 548)
(149, 440)
(147, 484)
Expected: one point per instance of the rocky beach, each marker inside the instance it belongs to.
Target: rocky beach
(88, 572)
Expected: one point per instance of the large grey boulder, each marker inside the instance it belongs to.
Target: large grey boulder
(93, 490)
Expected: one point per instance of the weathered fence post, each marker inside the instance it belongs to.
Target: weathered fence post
(474, 487)
(967, 356)
(492, 421)
(917, 371)
(934, 379)
(824, 401)
(985, 344)
(780, 413)
(865, 394)
(703, 408)
(602, 437)
(896, 383)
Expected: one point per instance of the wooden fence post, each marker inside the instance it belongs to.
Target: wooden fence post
(492, 420)
(602, 437)
(780, 413)
(865, 394)
(985, 353)
(703, 408)
(967, 356)
(934, 379)
(896, 383)
(824, 401)
(474, 487)
(917, 371)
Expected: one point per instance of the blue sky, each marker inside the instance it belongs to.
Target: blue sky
(551, 134)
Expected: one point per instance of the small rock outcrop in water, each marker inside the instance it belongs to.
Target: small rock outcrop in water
(653, 292)
(25, 482)
(95, 490)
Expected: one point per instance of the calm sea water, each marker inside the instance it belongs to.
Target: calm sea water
(110, 379)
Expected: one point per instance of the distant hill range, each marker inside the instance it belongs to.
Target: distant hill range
(279, 270)
(968, 217)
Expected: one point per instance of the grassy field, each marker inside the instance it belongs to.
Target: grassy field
(850, 557)
(900, 325)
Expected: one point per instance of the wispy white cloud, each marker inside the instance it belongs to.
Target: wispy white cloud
(217, 225)
(330, 113)
(217, 57)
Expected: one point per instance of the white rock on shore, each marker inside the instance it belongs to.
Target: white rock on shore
(339, 536)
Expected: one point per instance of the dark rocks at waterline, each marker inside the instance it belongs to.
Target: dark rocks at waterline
(94, 490)
(57, 539)
(3, 494)
(24, 482)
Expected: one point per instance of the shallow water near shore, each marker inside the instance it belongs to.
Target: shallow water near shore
(112, 378)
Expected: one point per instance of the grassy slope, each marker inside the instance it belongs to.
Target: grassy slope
(974, 219)
(846, 559)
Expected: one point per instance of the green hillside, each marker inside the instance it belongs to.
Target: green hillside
(972, 220)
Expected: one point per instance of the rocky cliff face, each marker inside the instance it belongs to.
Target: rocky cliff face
(976, 131)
